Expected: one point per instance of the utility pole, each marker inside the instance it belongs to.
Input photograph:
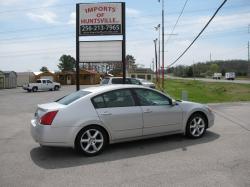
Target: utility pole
(193, 70)
(156, 71)
(248, 59)
(153, 64)
(158, 28)
(162, 68)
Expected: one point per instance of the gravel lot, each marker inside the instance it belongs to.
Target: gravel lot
(220, 158)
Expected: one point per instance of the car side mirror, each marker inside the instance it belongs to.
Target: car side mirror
(173, 102)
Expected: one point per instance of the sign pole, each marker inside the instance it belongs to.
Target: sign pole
(124, 42)
(77, 48)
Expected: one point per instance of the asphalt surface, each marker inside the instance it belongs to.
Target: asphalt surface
(220, 158)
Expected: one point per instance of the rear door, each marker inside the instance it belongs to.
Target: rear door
(118, 111)
(159, 115)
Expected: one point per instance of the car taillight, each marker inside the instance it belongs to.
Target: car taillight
(48, 118)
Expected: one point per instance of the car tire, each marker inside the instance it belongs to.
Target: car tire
(56, 88)
(34, 89)
(196, 126)
(91, 141)
(28, 90)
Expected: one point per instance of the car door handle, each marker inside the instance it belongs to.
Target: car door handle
(148, 111)
(106, 113)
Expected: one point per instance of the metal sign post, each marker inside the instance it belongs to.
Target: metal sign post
(77, 48)
(124, 42)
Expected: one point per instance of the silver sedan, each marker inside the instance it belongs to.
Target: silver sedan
(92, 118)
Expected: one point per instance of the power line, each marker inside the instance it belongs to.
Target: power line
(177, 21)
(199, 33)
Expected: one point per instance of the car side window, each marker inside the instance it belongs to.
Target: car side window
(48, 81)
(44, 81)
(119, 98)
(98, 102)
(116, 81)
(151, 98)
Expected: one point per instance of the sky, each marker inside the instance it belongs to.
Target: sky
(35, 33)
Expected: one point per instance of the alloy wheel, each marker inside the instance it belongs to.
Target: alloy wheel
(197, 126)
(92, 141)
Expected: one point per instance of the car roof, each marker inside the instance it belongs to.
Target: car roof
(101, 89)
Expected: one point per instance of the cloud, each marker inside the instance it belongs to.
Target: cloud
(130, 12)
(72, 19)
(48, 17)
(8, 3)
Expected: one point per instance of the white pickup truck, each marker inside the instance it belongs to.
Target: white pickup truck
(42, 84)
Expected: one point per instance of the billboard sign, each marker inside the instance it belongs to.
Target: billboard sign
(100, 19)
(100, 51)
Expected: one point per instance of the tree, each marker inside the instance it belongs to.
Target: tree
(214, 68)
(67, 63)
(44, 69)
(130, 61)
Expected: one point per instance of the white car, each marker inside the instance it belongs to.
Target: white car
(92, 118)
(146, 83)
(42, 84)
(119, 80)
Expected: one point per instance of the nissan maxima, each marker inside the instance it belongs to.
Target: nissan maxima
(90, 119)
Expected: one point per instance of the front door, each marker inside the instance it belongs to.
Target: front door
(159, 115)
(68, 80)
(118, 112)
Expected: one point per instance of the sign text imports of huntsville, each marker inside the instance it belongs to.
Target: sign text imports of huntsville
(100, 19)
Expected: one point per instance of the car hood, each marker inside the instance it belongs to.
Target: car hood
(189, 103)
(148, 83)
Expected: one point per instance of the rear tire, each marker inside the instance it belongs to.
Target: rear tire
(56, 88)
(91, 141)
(196, 126)
(34, 89)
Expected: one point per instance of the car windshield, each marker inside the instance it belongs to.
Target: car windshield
(72, 97)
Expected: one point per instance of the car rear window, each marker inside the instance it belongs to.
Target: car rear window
(72, 97)
(105, 81)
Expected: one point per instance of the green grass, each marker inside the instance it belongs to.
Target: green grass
(208, 92)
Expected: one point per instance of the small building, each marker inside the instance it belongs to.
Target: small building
(86, 77)
(45, 75)
(10, 79)
(2, 80)
(89, 77)
(25, 78)
(141, 73)
(66, 77)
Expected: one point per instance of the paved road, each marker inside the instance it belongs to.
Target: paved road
(212, 80)
(220, 158)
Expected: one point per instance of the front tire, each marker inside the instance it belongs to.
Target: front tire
(196, 126)
(91, 141)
